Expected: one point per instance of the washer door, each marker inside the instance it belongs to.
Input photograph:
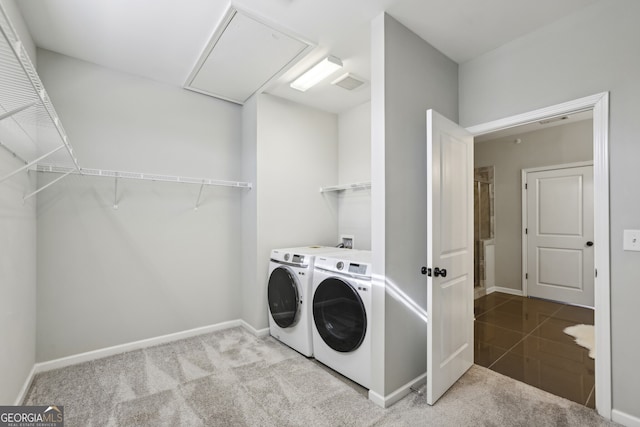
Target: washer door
(282, 292)
(339, 315)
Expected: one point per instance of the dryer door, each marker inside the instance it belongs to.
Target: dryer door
(283, 297)
(339, 315)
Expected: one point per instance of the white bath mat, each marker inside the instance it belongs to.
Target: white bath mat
(585, 337)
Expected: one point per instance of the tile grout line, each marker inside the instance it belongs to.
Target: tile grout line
(593, 389)
(493, 308)
(525, 337)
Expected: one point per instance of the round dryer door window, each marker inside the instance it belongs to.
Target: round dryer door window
(283, 297)
(339, 315)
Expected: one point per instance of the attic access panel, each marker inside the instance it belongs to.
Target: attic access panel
(242, 56)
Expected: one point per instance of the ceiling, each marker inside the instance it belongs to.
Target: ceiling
(163, 39)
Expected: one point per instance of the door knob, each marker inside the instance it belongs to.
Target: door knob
(425, 270)
(589, 243)
(437, 272)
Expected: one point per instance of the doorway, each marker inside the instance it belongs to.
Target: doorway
(598, 105)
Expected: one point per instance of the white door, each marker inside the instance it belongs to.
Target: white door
(559, 235)
(450, 254)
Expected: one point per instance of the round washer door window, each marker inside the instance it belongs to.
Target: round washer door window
(339, 315)
(282, 293)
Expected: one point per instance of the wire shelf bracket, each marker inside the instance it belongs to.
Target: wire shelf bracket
(354, 186)
(16, 111)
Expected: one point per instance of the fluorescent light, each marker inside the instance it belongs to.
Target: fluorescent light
(317, 73)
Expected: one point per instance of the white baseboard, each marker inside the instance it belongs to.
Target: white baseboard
(257, 332)
(395, 396)
(25, 387)
(136, 345)
(509, 291)
(625, 419)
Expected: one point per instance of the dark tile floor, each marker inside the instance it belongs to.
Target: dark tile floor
(523, 338)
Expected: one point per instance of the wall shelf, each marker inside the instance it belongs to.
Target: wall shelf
(29, 125)
(140, 176)
(354, 186)
(116, 175)
(31, 131)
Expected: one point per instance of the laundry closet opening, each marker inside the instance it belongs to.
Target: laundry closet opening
(533, 253)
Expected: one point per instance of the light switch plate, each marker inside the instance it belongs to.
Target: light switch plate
(631, 240)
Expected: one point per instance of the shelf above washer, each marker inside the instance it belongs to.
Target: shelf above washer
(343, 187)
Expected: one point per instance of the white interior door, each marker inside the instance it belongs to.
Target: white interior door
(559, 235)
(450, 254)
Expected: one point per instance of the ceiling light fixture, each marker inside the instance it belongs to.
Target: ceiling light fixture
(317, 73)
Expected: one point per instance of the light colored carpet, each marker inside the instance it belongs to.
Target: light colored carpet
(232, 378)
(584, 336)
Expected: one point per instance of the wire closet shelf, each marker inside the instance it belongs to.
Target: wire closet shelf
(354, 186)
(31, 129)
(29, 124)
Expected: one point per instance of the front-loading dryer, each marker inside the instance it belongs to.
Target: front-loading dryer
(289, 294)
(342, 314)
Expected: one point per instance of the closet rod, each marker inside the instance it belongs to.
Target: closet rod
(16, 111)
(28, 165)
(141, 176)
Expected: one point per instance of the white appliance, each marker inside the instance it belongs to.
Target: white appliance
(342, 314)
(289, 295)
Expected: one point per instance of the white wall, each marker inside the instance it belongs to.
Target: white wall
(552, 146)
(17, 260)
(592, 51)
(17, 280)
(409, 76)
(252, 306)
(354, 165)
(296, 153)
(155, 265)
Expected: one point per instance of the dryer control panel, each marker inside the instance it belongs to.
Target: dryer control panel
(357, 268)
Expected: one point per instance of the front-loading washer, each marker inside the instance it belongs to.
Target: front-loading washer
(342, 314)
(289, 294)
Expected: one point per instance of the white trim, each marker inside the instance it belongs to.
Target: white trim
(504, 290)
(25, 387)
(136, 345)
(602, 284)
(560, 166)
(260, 333)
(582, 104)
(525, 210)
(624, 418)
(396, 395)
(599, 103)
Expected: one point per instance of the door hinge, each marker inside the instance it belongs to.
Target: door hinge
(526, 231)
(526, 186)
(526, 275)
(596, 272)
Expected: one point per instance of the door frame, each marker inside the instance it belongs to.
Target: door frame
(525, 236)
(599, 103)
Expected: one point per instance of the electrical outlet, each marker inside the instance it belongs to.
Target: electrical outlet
(631, 240)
